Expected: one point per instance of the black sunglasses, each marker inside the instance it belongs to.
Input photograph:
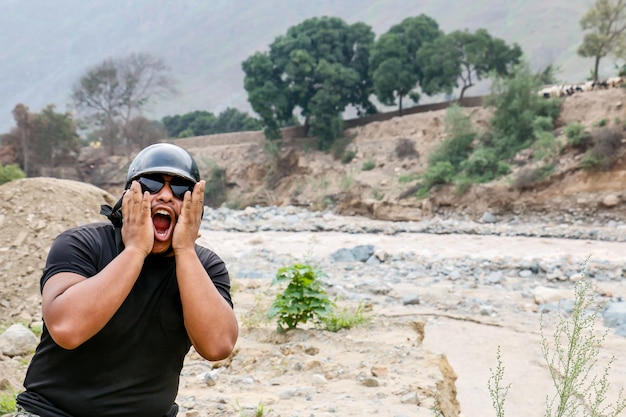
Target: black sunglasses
(154, 183)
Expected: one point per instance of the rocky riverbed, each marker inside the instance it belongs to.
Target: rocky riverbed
(442, 295)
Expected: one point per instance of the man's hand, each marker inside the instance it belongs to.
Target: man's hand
(137, 227)
(189, 220)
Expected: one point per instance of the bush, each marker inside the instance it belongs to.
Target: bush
(405, 148)
(484, 165)
(542, 124)
(576, 135)
(347, 157)
(10, 173)
(215, 188)
(545, 147)
(459, 137)
(368, 165)
(529, 176)
(304, 298)
(604, 151)
(440, 173)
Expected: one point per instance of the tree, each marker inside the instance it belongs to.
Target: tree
(143, 132)
(318, 67)
(117, 90)
(55, 139)
(606, 23)
(23, 132)
(42, 139)
(394, 64)
(199, 123)
(465, 57)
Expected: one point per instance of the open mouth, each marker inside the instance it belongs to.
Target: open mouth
(162, 223)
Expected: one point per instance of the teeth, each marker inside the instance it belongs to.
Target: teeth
(162, 212)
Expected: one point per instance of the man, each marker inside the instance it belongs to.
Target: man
(123, 301)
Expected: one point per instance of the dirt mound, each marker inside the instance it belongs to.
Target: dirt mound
(33, 211)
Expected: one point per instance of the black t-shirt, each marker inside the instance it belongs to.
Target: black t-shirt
(132, 366)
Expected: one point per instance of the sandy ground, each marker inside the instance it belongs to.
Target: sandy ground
(470, 343)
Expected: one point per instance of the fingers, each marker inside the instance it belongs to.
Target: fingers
(193, 203)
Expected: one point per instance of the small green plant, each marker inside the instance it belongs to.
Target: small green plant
(497, 391)
(403, 179)
(368, 165)
(347, 157)
(377, 194)
(576, 134)
(572, 359)
(303, 299)
(347, 181)
(545, 147)
(440, 173)
(345, 319)
(7, 402)
(10, 172)
(601, 123)
(248, 411)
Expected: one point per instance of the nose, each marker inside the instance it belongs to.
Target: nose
(166, 194)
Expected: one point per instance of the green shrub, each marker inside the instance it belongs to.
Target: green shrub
(576, 134)
(303, 299)
(545, 146)
(347, 157)
(368, 165)
(440, 173)
(459, 137)
(484, 165)
(215, 187)
(542, 124)
(601, 123)
(10, 172)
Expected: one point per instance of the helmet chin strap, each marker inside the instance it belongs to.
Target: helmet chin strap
(114, 214)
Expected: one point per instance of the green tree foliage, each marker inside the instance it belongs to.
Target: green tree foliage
(394, 63)
(55, 138)
(516, 105)
(42, 139)
(10, 172)
(115, 91)
(318, 67)
(464, 57)
(200, 123)
(605, 25)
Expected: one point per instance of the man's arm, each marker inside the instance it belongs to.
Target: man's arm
(210, 321)
(76, 308)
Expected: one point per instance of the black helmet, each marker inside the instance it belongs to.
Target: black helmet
(163, 158)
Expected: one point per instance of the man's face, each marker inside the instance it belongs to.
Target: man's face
(166, 193)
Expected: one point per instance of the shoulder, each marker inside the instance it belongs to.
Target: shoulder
(89, 233)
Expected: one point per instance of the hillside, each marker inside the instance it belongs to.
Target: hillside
(47, 46)
(316, 180)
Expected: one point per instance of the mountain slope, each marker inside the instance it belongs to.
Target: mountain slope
(47, 46)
